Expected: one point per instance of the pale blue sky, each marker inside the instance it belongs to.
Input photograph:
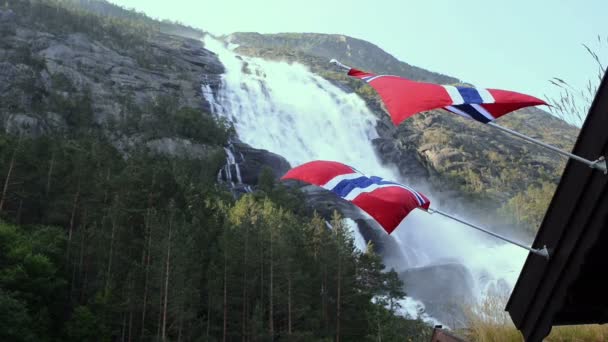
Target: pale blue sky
(511, 44)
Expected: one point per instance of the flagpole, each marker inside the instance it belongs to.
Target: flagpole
(599, 164)
(542, 252)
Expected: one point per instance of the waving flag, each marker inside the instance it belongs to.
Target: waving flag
(387, 202)
(404, 98)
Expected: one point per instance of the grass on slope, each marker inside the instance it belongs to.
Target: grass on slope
(489, 322)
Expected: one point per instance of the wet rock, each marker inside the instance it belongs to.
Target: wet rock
(245, 164)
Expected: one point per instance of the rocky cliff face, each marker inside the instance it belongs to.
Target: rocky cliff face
(69, 64)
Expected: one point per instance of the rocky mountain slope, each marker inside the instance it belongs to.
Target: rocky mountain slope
(346, 49)
(461, 158)
(64, 72)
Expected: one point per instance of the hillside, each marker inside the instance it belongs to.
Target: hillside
(462, 159)
(346, 49)
(108, 10)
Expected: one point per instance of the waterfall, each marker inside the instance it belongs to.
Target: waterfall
(231, 161)
(286, 109)
(354, 229)
(226, 173)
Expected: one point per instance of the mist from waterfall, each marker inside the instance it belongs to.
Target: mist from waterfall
(288, 110)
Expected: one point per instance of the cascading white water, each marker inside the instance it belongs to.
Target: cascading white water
(286, 109)
(354, 229)
(230, 160)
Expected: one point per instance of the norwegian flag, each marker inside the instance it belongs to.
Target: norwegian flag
(387, 202)
(404, 98)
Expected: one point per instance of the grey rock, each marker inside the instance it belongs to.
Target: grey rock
(177, 147)
(22, 124)
(111, 74)
(256, 159)
(406, 158)
(33, 125)
(55, 122)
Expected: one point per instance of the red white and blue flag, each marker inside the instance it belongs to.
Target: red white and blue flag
(404, 98)
(387, 202)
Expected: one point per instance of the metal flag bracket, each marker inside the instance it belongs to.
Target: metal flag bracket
(336, 62)
(600, 164)
(544, 252)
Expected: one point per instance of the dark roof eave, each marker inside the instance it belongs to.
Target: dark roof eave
(566, 229)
